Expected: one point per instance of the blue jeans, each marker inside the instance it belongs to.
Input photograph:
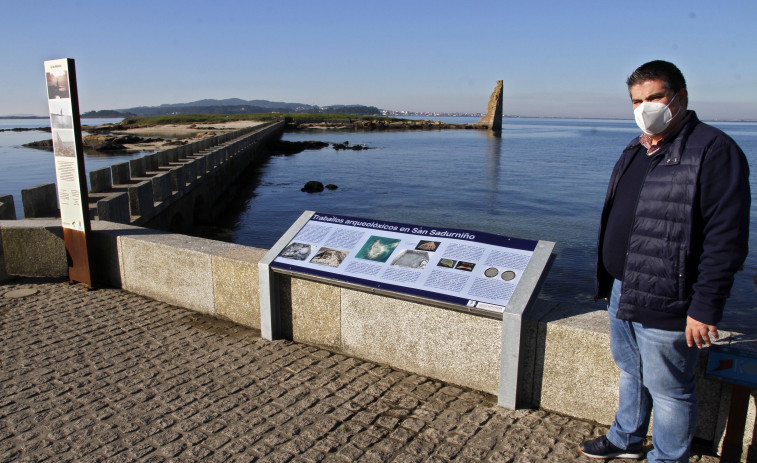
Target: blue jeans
(656, 370)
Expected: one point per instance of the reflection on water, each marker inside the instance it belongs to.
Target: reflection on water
(494, 153)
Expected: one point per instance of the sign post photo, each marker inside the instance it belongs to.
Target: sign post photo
(65, 125)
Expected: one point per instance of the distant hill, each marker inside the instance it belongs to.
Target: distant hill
(233, 106)
(23, 116)
(107, 113)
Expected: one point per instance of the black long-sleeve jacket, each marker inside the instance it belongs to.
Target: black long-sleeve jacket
(690, 229)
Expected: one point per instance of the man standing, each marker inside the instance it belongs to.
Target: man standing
(674, 230)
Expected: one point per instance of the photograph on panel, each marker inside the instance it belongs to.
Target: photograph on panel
(60, 114)
(412, 259)
(63, 143)
(378, 248)
(57, 84)
(329, 257)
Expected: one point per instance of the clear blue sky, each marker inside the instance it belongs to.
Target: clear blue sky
(557, 58)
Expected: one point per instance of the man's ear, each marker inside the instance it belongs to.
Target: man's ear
(685, 98)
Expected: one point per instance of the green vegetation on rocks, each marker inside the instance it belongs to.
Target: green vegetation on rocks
(148, 121)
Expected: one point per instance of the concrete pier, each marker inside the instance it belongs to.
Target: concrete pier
(167, 190)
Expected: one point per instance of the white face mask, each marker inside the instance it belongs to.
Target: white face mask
(654, 118)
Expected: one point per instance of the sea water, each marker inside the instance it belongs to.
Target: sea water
(22, 167)
(542, 179)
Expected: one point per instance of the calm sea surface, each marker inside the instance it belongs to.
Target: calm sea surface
(22, 168)
(542, 179)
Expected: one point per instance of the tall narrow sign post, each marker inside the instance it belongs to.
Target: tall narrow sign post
(63, 101)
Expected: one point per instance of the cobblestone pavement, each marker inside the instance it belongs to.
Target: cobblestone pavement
(110, 376)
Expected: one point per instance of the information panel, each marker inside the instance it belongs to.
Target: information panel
(461, 267)
(732, 366)
(67, 172)
(63, 102)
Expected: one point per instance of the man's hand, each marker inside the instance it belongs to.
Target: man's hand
(699, 333)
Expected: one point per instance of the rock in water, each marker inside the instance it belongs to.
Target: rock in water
(294, 147)
(331, 186)
(312, 187)
(40, 145)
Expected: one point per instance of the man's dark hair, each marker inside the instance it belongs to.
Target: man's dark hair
(658, 70)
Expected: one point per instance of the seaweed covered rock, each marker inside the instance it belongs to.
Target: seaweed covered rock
(102, 143)
(40, 145)
(294, 147)
(346, 146)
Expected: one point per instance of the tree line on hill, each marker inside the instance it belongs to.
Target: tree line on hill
(233, 106)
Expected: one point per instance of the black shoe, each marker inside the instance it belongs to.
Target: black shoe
(601, 448)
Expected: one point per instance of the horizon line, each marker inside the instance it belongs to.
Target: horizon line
(439, 114)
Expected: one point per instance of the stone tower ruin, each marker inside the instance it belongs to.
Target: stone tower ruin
(493, 118)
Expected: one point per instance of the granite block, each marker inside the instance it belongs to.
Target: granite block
(114, 208)
(172, 268)
(34, 247)
(141, 199)
(172, 155)
(162, 157)
(40, 201)
(151, 162)
(235, 285)
(103, 242)
(578, 376)
(202, 166)
(7, 208)
(178, 178)
(452, 346)
(212, 160)
(3, 272)
(100, 181)
(137, 168)
(161, 187)
(190, 169)
(316, 313)
(121, 173)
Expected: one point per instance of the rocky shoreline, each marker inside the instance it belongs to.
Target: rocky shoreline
(27, 129)
(378, 124)
(113, 138)
(294, 147)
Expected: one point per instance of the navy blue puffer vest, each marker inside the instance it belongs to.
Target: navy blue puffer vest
(665, 243)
